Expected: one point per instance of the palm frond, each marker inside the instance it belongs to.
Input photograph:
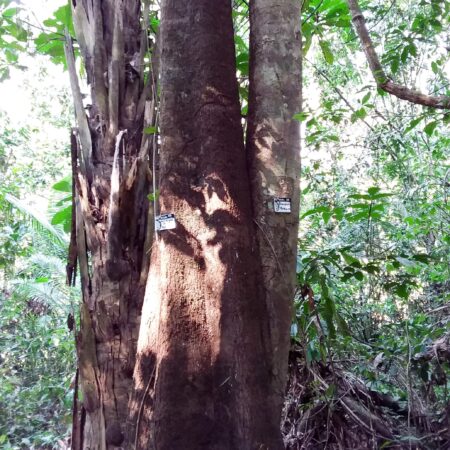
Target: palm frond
(39, 222)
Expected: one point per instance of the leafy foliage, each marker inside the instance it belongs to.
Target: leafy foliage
(373, 265)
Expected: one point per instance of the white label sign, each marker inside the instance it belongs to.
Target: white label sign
(282, 205)
(166, 222)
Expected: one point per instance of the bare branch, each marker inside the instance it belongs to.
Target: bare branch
(383, 82)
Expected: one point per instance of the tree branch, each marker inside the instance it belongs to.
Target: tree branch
(383, 82)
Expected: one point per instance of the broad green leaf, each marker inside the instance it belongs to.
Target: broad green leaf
(430, 127)
(10, 12)
(359, 276)
(401, 290)
(373, 190)
(327, 53)
(63, 215)
(64, 185)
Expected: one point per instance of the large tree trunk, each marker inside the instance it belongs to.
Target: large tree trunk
(273, 144)
(111, 188)
(202, 378)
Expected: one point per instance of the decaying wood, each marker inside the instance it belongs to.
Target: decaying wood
(83, 127)
(111, 211)
(71, 267)
(382, 80)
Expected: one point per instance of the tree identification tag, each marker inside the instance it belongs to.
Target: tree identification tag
(282, 205)
(166, 222)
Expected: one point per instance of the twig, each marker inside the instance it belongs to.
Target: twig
(141, 407)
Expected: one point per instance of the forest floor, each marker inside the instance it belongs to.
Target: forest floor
(328, 407)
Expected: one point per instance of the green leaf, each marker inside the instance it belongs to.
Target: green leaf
(434, 67)
(338, 213)
(327, 216)
(150, 130)
(242, 63)
(364, 206)
(319, 209)
(366, 98)
(64, 215)
(395, 64)
(360, 113)
(430, 127)
(64, 15)
(371, 268)
(359, 276)
(328, 311)
(422, 257)
(10, 12)
(64, 185)
(401, 290)
(301, 117)
(413, 124)
(349, 259)
(42, 280)
(153, 196)
(373, 190)
(327, 54)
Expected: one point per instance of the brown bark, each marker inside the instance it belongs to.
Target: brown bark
(111, 213)
(382, 80)
(273, 143)
(201, 378)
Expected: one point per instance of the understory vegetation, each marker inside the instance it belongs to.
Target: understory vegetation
(370, 358)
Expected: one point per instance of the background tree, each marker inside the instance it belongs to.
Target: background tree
(273, 147)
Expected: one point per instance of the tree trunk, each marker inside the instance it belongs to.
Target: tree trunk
(273, 144)
(111, 214)
(201, 379)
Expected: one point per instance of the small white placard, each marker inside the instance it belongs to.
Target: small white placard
(282, 205)
(166, 222)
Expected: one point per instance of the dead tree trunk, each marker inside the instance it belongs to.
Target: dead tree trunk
(202, 378)
(111, 214)
(273, 145)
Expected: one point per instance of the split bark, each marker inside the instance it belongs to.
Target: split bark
(382, 80)
(111, 213)
(201, 379)
(273, 145)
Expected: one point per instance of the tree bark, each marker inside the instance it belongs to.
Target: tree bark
(382, 80)
(111, 212)
(273, 144)
(202, 378)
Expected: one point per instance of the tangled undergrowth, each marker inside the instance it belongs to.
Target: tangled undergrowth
(329, 407)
